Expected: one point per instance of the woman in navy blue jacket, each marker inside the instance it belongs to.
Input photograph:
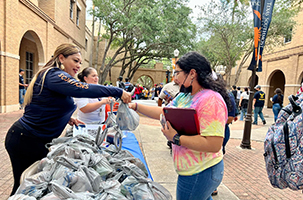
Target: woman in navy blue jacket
(49, 106)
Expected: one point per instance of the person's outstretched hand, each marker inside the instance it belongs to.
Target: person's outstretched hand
(132, 106)
(76, 122)
(126, 97)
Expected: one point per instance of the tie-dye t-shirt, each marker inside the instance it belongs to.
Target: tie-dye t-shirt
(212, 114)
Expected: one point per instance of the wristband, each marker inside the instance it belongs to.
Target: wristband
(176, 139)
(136, 106)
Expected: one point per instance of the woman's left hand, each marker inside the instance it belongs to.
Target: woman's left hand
(76, 122)
(126, 97)
(168, 131)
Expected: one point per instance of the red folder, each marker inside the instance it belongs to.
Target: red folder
(184, 120)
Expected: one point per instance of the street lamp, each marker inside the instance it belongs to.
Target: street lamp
(167, 74)
(176, 54)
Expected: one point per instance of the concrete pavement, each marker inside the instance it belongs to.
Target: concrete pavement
(245, 176)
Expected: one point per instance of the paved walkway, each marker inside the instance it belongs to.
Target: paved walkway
(245, 176)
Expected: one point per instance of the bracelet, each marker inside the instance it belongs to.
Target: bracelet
(136, 106)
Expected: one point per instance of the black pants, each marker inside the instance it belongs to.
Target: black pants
(23, 149)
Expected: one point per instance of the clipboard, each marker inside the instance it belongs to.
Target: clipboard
(184, 120)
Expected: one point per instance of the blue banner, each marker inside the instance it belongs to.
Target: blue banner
(266, 19)
(261, 25)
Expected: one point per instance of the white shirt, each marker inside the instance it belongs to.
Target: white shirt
(239, 94)
(245, 95)
(171, 88)
(97, 116)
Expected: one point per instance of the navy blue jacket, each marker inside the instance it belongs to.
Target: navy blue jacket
(51, 108)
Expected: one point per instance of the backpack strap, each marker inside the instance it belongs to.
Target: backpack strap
(286, 139)
(296, 108)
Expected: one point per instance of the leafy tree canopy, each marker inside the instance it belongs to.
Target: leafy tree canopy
(142, 30)
(227, 30)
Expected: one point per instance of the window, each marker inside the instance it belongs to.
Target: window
(78, 15)
(288, 37)
(29, 67)
(86, 42)
(71, 9)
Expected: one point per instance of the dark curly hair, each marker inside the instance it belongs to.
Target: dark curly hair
(194, 60)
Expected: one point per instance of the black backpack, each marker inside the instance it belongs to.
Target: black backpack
(130, 88)
(121, 85)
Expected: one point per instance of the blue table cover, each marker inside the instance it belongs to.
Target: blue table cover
(130, 143)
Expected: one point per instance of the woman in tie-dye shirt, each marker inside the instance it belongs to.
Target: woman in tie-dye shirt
(198, 159)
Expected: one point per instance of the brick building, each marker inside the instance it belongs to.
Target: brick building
(282, 68)
(30, 30)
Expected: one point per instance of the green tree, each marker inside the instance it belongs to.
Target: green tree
(229, 30)
(142, 30)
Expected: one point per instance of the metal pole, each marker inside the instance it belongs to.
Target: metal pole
(247, 127)
(245, 144)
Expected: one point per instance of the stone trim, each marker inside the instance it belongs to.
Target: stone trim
(292, 85)
(10, 55)
(264, 86)
(285, 56)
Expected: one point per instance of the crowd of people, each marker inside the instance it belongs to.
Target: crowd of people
(54, 94)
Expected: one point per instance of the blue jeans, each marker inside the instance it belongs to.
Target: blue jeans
(226, 137)
(138, 96)
(21, 94)
(258, 111)
(276, 109)
(243, 113)
(201, 185)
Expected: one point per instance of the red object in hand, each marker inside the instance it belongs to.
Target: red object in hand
(236, 118)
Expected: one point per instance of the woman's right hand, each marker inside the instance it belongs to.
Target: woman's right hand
(126, 97)
(132, 106)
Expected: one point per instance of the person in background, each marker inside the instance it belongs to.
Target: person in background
(231, 117)
(128, 86)
(277, 101)
(152, 92)
(22, 89)
(159, 89)
(258, 104)
(120, 83)
(234, 91)
(91, 110)
(199, 158)
(243, 104)
(49, 106)
(145, 93)
(169, 91)
(239, 92)
(138, 91)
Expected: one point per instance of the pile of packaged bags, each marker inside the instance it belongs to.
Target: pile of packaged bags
(80, 167)
(76, 168)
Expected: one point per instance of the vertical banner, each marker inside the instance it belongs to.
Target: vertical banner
(266, 19)
(256, 6)
(260, 31)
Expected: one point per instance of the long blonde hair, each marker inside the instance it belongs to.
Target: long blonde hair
(64, 49)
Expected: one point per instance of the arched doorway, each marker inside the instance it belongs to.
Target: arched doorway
(31, 54)
(146, 81)
(275, 80)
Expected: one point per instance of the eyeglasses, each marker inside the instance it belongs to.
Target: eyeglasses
(176, 72)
